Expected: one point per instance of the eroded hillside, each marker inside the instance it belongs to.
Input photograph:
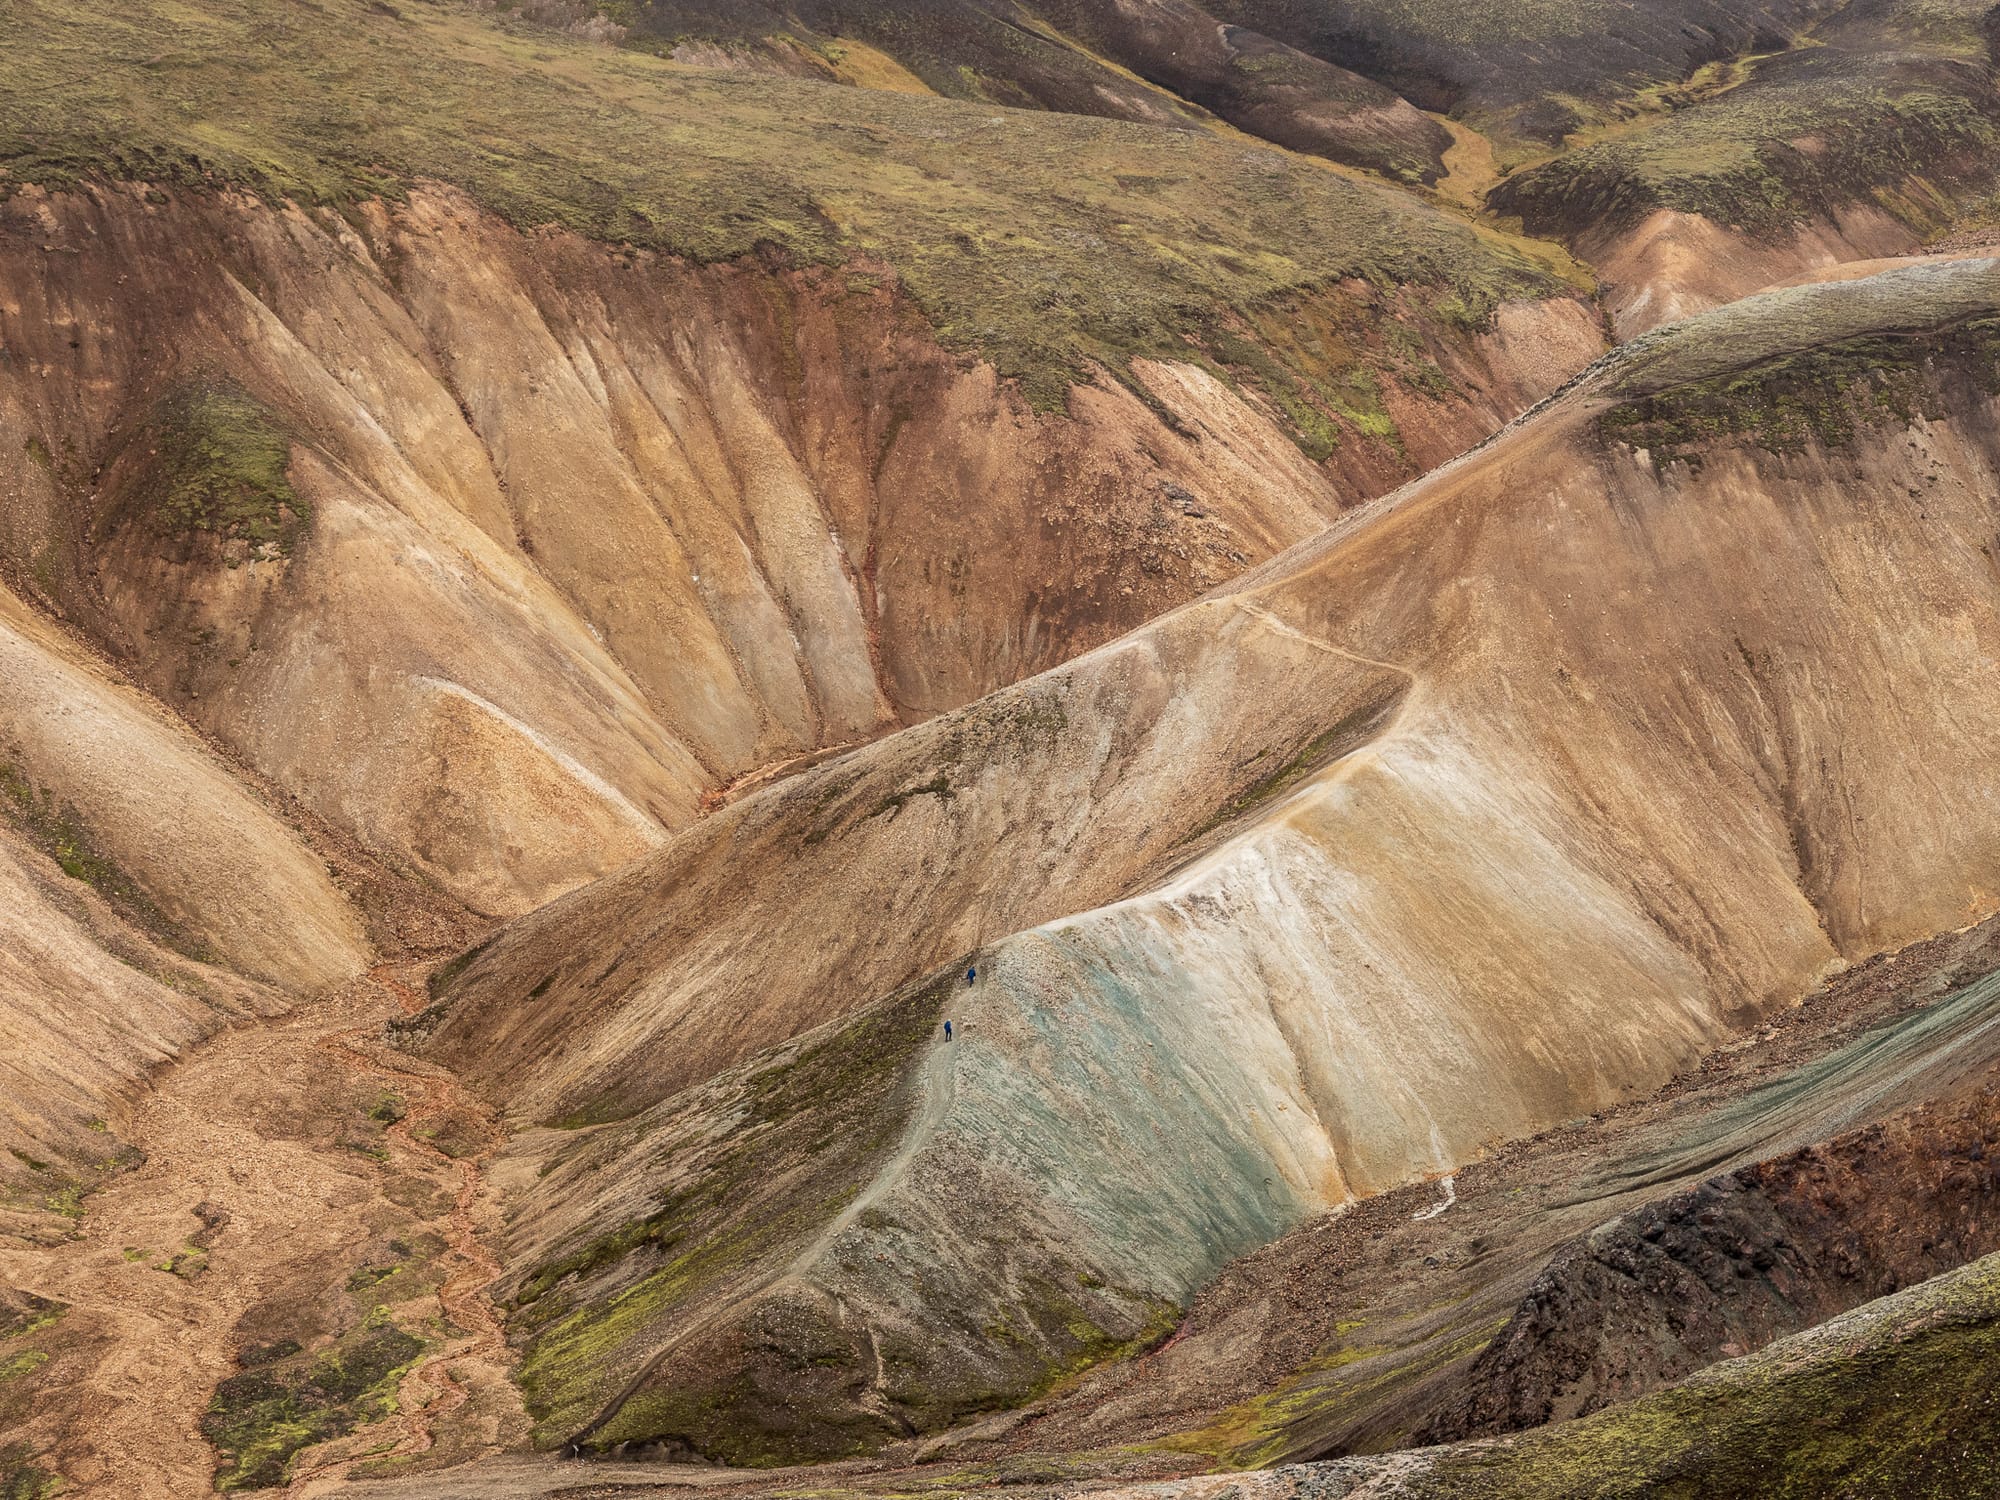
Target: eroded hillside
(509, 551)
(578, 581)
(1493, 806)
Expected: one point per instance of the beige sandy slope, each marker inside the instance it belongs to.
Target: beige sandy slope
(94, 994)
(596, 533)
(216, 862)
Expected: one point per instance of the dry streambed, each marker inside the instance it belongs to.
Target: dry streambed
(288, 1289)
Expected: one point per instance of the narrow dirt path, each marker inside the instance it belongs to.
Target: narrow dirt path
(939, 1085)
(249, 1153)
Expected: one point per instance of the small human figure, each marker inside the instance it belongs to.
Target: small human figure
(971, 974)
(947, 1031)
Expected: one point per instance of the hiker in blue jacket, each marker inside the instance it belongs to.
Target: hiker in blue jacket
(947, 1031)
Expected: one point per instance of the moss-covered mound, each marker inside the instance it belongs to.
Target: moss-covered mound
(761, 1160)
(1821, 395)
(1805, 135)
(290, 1400)
(1921, 297)
(218, 465)
(1891, 106)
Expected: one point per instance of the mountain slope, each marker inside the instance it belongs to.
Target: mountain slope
(1491, 806)
(508, 550)
(138, 873)
(1888, 1399)
(1873, 139)
(1163, 63)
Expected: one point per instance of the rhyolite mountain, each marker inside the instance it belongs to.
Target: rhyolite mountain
(1389, 607)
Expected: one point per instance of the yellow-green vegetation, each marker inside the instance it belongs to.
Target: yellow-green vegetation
(1824, 395)
(1806, 134)
(57, 830)
(1282, 1423)
(188, 1262)
(219, 466)
(23, 1315)
(808, 1127)
(260, 1418)
(21, 1478)
(1254, 1433)
(61, 1189)
(1090, 1344)
(26, 1362)
(1896, 1399)
(1039, 241)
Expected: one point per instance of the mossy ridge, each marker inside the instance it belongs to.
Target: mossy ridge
(1016, 238)
(1342, 738)
(1895, 1399)
(1280, 1424)
(257, 1420)
(1090, 1344)
(1825, 395)
(1807, 134)
(1027, 718)
(219, 461)
(784, 1392)
(1049, 1335)
(807, 1127)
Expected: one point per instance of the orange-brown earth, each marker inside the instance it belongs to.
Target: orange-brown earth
(595, 533)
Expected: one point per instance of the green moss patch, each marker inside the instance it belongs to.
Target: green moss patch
(58, 831)
(260, 1418)
(806, 1128)
(24, 1313)
(14, 1366)
(1807, 134)
(21, 1478)
(219, 464)
(1824, 395)
(1895, 1400)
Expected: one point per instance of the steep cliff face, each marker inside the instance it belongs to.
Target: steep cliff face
(501, 551)
(1485, 809)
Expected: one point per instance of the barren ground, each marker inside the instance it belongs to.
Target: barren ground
(261, 1152)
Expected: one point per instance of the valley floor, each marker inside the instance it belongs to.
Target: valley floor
(288, 1166)
(1338, 1339)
